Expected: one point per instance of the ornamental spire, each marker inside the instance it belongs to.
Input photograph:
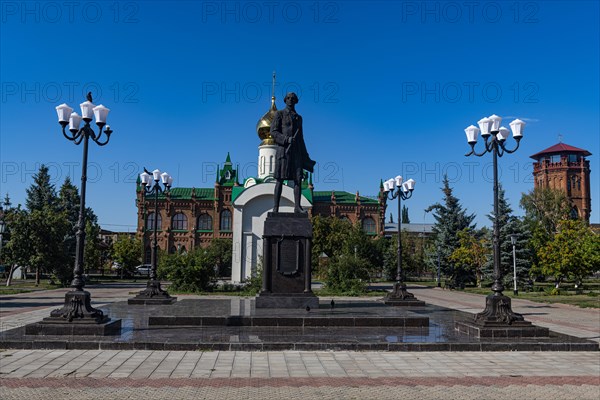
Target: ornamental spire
(263, 127)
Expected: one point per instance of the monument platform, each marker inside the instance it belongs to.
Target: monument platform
(191, 313)
(236, 324)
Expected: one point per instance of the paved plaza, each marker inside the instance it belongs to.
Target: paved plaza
(146, 374)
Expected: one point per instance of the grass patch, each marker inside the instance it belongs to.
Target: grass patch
(19, 286)
(542, 292)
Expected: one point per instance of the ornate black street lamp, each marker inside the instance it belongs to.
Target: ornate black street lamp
(498, 307)
(394, 188)
(77, 307)
(153, 294)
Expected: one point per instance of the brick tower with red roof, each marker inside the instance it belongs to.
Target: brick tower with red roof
(565, 168)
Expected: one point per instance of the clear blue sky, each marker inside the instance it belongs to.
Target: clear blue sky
(385, 88)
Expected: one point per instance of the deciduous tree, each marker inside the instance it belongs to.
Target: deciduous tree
(573, 252)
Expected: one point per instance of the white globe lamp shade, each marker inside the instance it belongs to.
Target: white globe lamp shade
(156, 175)
(164, 178)
(170, 181)
(391, 183)
(485, 125)
(410, 184)
(100, 113)
(64, 113)
(74, 122)
(472, 132)
(503, 133)
(398, 180)
(496, 120)
(87, 110)
(386, 186)
(145, 178)
(517, 127)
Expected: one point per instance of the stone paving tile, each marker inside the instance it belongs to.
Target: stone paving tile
(205, 365)
(167, 365)
(187, 364)
(75, 365)
(58, 363)
(145, 369)
(27, 366)
(130, 365)
(111, 365)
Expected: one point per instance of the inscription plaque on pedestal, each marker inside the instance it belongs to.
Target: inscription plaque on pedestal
(287, 243)
(288, 256)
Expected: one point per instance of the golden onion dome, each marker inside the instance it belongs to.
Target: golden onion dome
(263, 127)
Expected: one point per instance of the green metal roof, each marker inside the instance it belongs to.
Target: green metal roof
(181, 193)
(341, 197)
(237, 190)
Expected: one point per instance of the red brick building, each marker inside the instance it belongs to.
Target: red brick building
(565, 168)
(190, 217)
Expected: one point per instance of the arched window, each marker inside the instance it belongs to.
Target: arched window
(205, 222)
(271, 163)
(226, 220)
(344, 218)
(150, 222)
(173, 250)
(179, 222)
(262, 164)
(368, 225)
(574, 213)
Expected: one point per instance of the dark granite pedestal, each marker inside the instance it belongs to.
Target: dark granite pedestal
(77, 317)
(498, 321)
(152, 295)
(501, 330)
(400, 297)
(287, 241)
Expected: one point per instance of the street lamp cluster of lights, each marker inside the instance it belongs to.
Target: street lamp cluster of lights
(498, 306)
(396, 188)
(153, 294)
(77, 302)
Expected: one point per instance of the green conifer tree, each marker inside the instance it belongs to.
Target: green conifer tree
(405, 218)
(42, 192)
(450, 218)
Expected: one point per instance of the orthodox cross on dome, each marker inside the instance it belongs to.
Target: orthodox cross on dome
(273, 87)
(263, 127)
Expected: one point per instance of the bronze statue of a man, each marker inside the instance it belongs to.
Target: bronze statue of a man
(291, 158)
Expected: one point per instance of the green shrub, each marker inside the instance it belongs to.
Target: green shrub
(551, 291)
(347, 275)
(191, 272)
(253, 285)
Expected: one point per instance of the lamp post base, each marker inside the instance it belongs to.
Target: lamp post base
(77, 317)
(499, 321)
(498, 310)
(153, 294)
(399, 296)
